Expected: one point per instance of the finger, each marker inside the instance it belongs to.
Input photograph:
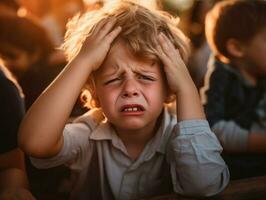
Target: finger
(163, 43)
(172, 45)
(168, 63)
(159, 50)
(163, 57)
(167, 40)
(98, 27)
(163, 50)
(171, 51)
(112, 35)
(167, 46)
(107, 27)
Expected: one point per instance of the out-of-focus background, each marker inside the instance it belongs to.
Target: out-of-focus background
(31, 32)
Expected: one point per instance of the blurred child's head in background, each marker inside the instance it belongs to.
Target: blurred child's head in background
(23, 43)
(234, 22)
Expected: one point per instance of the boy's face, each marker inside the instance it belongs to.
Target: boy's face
(131, 91)
(255, 54)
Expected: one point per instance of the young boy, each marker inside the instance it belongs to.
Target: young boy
(129, 147)
(234, 92)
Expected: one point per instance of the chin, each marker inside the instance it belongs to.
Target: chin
(130, 125)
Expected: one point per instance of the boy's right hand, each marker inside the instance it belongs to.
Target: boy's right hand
(97, 44)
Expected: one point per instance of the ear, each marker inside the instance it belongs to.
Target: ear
(169, 98)
(96, 101)
(235, 48)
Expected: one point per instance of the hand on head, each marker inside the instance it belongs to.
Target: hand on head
(175, 69)
(98, 43)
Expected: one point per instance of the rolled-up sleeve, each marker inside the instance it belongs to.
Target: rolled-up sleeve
(197, 167)
(75, 143)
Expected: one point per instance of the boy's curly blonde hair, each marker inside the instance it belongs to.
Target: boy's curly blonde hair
(140, 28)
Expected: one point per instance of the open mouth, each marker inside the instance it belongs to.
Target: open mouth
(132, 108)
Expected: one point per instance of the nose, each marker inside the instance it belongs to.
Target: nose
(130, 89)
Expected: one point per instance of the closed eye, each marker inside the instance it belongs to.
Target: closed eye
(145, 77)
(111, 81)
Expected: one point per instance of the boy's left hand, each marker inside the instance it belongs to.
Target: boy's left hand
(176, 71)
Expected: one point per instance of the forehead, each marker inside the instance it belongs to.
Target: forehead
(120, 57)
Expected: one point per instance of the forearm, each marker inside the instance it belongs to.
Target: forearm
(41, 130)
(14, 185)
(233, 138)
(198, 169)
(12, 169)
(188, 103)
(13, 178)
(256, 142)
(238, 140)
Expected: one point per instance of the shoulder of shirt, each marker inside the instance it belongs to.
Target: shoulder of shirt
(92, 118)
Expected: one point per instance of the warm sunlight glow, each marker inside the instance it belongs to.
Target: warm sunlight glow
(180, 4)
(22, 12)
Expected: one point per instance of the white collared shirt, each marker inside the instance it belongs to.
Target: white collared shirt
(189, 147)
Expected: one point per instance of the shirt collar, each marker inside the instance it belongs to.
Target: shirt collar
(105, 131)
(159, 141)
(102, 132)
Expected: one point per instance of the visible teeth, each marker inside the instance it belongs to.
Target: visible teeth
(131, 109)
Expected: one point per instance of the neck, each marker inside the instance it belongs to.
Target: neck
(246, 72)
(249, 77)
(135, 140)
(137, 136)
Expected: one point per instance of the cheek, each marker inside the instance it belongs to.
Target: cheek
(157, 94)
(106, 97)
(257, 54)
(258, 61)
(262, 61)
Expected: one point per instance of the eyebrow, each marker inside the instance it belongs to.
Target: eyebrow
(118, 71)
(112, 73)
(141, 69)
(144, 72)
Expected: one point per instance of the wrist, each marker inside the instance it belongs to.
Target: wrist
(82, 63)
(188, 88)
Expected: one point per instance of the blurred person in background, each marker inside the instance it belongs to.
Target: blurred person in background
(53, 15)
(200, 53)
(27, 50)
(13, 179)
(9, 7)
(234, 94)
